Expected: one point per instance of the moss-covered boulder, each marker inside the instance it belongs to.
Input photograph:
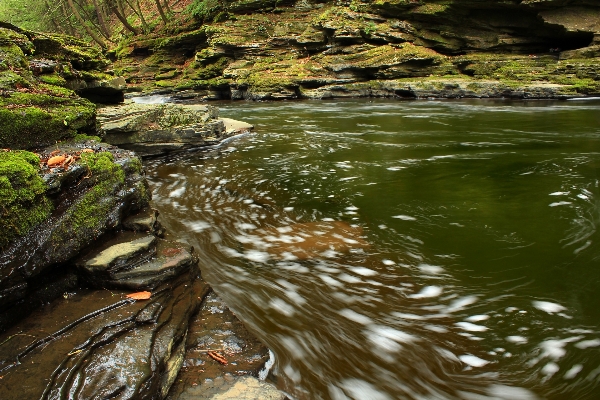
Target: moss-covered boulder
(23, 200)
(32, 118)
(56, 204)
(38, 102)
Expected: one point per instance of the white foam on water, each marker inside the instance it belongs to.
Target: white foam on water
(467, 326)
(363, 271)
(404, 217)
(330, 281)
(550, 369)
(584, 344)
(572, 373)
(430, 269)
(516, 339)
(427, 292)
(197, 226)
(282, 307)
(503, 392)
(177, 192)
(477, 318)
(356, 317)
(461, 303)
(246, 226)
(473, 361)
(359, 389)
(559, 194)
(349, 278)
(388, 262)
(560, 203)
(288, 209)
(257, 256)
(548, 307)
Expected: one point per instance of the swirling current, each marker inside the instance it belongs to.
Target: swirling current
(404, 249)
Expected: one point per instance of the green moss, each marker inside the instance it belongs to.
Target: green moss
(30, 120)
(85, 138)
(53, 79)
(23, 203)
(93, 207)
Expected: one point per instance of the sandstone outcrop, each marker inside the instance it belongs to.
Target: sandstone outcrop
(315, 49)
(155, 129)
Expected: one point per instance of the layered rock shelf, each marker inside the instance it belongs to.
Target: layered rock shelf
(266, 50)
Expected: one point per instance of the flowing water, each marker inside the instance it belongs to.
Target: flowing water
(405, 249)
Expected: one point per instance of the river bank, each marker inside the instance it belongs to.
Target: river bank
(96, 299)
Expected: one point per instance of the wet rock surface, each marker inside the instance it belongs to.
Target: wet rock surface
(216, 334)
(135, 261)
(90, 192)
(98, 344)
(154, 129)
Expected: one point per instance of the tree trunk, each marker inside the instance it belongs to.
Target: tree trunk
(167, 7)
(67, 21)
(101, 19)
(85, 26)
(160, 11)
(112, 5)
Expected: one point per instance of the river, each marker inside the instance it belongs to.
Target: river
(391, 249)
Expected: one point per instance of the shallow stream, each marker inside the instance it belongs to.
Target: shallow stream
(405, 249)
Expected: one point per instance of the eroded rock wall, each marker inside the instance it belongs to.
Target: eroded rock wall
(304, 48)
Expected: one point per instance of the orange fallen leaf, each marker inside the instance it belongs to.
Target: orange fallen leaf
(217, 357)
(139, 295)
(56, 160)
(87, 151)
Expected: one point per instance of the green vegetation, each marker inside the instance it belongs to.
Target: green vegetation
(91, 209)
(23, 203)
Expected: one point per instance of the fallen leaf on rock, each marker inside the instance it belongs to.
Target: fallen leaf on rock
(217, 357)
(56, 160)
(139, 295)
(87, 151)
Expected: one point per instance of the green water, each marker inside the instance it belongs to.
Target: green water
(466, 264)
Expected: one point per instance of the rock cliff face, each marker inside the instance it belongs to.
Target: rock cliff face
(310, 48)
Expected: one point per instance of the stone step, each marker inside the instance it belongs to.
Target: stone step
(171, 259)
(135, 261)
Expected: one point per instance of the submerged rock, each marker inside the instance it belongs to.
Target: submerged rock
(216, 328)
(154, 129)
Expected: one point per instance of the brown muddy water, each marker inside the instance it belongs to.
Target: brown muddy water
(405, 249)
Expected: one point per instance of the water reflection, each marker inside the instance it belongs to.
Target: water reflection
(405, 250)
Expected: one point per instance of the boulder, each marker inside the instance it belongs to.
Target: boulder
(154, 129)
(135, 261)
(67, 208)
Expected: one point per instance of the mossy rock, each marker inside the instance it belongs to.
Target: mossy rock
(33, 120)
(12, 55)
(82, 55)
(23, 203)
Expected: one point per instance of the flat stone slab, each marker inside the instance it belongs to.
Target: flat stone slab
(233, 126)
(145, 220)
(171, 259)
(125, 250)
(250, 388)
